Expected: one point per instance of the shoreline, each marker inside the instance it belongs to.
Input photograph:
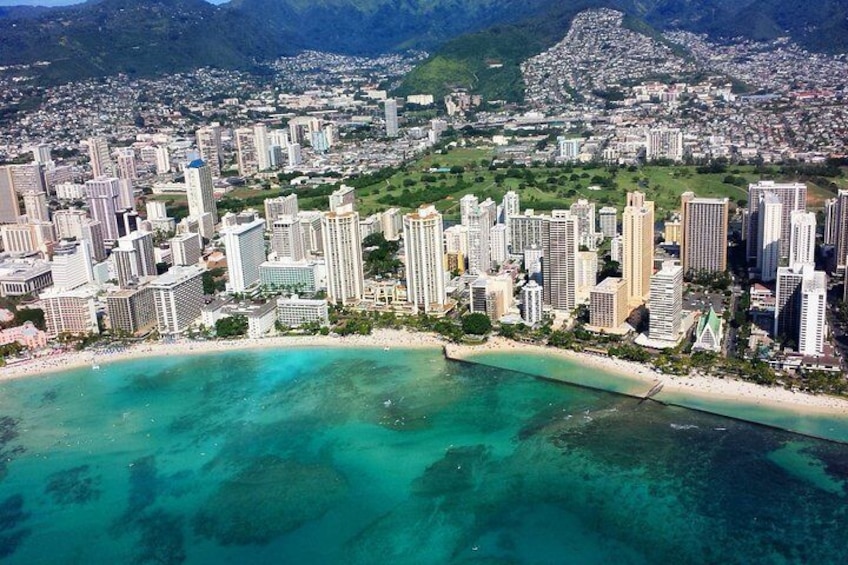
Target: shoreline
(683, 391)
(676, 389)
(49, 364)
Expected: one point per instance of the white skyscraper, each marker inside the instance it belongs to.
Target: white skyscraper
(479, 250)
(263, 151)
(201, 200)
(425, 265)
(134, 258)
(178, 298)
(802, 248)
(497, 244)
(531, 298)
(102, 195)
(812, 329)
(584, 212)
(666, 302)
(830, 221)
(511, 206)
(163, 161)
(41, 154)
(287, 239)
(343, 255)
(456, 240)
(280, 206)
(793, 196)
(769, 232)
(71, 266)
(294, 154)
(343, 196)
(466, 204)
(245, 248)
(391, 118)
(186, 249)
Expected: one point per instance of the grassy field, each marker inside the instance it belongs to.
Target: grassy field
(542, 188)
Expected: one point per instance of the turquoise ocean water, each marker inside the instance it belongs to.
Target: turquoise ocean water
(369, 456)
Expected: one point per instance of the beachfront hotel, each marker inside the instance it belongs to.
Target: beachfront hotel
(704, 245)
(608, 308)
(425, 263)
(559, 269)
(343, 255)
(178, 297)
(245, 248)
(531, 299)
(638, 247)
(132, 310)
(666, 302)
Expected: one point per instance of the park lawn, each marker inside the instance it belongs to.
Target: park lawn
(547, 188)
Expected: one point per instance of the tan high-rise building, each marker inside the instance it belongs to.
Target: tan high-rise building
(704, 244)
(132, 311)
(100, 159)
(637, 223)
(608, 304)
(425, 264)
(248, 161)
(209, 146)
(343, 253)
(841, 230)
(559, 268)
(10, 208)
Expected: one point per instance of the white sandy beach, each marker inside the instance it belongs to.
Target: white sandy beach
(674, 387)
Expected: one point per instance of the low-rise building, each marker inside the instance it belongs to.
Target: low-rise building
(708, 334)
(19, 277)
(260, 317)
(294, 312)
(26, 335)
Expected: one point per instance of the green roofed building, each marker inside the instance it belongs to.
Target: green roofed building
(708, 335)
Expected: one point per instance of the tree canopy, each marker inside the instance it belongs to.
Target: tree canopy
(476, 324)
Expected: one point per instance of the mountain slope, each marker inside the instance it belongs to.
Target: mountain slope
(466, 61)
(377, 26)
(141, 37)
